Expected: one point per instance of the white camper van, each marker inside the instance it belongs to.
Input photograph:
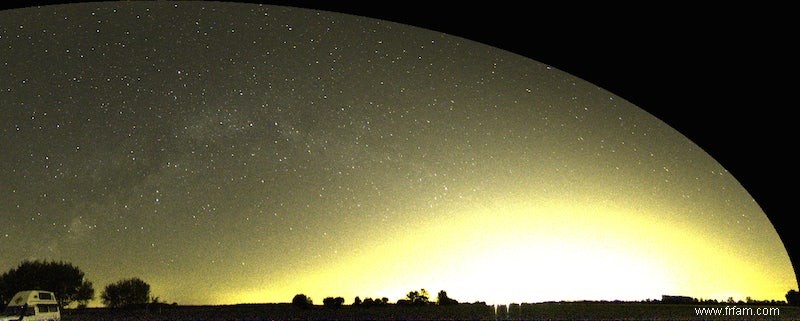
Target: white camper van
(32, 306)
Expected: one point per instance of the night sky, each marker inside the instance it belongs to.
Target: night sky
(230, 153)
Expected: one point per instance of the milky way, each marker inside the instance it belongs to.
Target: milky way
(245, 145)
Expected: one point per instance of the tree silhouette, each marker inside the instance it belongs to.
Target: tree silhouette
(332, 302)
(443, 299)
(126, 293)
(370, 302)
(64, 279)
(85, 294)
(357, 301)
(417, 297)
(302, 301)
(793, 297)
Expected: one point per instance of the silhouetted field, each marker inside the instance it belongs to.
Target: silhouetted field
(539, 311)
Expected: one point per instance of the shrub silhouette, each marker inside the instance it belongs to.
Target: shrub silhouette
(443, 299)
(370, 302)
(126, 293)
(793, 297)
(332, 302)
(302, 301)
(416, 298)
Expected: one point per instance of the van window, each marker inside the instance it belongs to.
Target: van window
(45, 296)
(44, 308)
(15, 310)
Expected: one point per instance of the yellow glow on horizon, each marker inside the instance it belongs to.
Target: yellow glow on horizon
(532, 253)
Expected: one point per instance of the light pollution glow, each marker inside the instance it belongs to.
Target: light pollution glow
(525, 252)
(249, 153)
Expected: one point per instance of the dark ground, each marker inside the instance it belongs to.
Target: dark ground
(540, 311)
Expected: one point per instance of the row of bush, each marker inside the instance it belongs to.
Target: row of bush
(420, 297)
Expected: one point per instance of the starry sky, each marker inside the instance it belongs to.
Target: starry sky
(230, 152)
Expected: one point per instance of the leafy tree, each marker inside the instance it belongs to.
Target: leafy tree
(333, 302)
(64, 279)
(85, 294)
(793, 297)
(302, 301)
(443, 299)
(418, 297)
(126, 293)
(370, 302)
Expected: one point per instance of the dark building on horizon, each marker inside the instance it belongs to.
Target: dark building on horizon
(677, 299)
